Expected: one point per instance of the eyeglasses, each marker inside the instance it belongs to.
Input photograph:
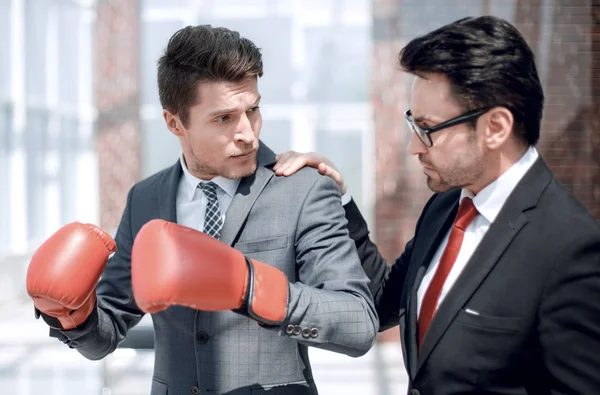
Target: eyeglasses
(424, 132)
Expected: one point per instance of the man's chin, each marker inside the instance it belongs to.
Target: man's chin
(241, 172)
(437, 186)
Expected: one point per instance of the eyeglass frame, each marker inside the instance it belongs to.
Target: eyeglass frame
(423, 133)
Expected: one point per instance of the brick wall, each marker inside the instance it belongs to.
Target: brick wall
(565, 38)
(117, 97)
(570, 130)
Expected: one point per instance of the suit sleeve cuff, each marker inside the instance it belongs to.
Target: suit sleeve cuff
(69, 336)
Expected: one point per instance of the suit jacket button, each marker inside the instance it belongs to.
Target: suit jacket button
(195, 390)
(202, 337)
(289, 329)
(306, 333)
(297, 330)
(314, 333)
(415, 392)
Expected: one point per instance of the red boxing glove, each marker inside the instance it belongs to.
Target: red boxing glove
(175, 265)
(64, 271)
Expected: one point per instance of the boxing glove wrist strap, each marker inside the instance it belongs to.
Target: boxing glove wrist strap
(267, 293)
(76, 318)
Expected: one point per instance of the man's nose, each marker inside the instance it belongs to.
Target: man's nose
(245, 133)
(415, 145)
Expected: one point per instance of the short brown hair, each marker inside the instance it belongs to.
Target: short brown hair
(203, 53)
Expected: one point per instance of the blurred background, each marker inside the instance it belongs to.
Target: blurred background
(80, 122)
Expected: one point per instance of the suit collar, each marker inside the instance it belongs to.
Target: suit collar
(248, 191)
(510, 220)
(489, 200)
(167, 192)
(265, 156)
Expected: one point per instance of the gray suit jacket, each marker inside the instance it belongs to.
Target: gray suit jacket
(296, 224)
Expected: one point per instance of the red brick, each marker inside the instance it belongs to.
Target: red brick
(117, 98)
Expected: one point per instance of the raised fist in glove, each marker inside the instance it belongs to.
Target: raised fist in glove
(64, 271)
(175, 265)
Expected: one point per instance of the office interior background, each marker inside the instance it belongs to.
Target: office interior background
(80, 123)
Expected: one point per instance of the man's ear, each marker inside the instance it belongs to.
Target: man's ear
(499, 122)
(173, 123)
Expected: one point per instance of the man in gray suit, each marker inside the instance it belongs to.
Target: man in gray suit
(221, 193)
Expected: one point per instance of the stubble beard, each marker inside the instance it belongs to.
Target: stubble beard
(236, 174)
(201, 167)
(462, 176)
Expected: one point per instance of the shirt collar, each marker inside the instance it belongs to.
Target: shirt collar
(490, 200)
(226, 184)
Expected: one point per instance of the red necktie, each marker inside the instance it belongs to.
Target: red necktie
(466, 213)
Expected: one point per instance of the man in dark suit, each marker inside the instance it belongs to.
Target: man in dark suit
(225, 323)
(498, 292)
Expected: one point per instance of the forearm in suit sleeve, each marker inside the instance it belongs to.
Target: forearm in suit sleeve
(116, 312)
(374, 265)
(387, 283)
(332, 294)
(569, 317)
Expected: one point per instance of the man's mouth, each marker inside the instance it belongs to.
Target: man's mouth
(243, 154)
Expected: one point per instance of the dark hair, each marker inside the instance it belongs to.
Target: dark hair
(203, 53)
(488, 63)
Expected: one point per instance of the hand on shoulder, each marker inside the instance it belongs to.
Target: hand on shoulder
(291, 161)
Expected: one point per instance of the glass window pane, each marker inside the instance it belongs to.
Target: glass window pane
(5, 151)
(160, 148)
(338, 63)
(148, 4)
(344, 149)
(277, 135)
(36, 27)
(433, 14)
(69, 16)
(5, 129)
(5, 37)
(153, 41)
(36, 145)
(507, 9)
(68, 154)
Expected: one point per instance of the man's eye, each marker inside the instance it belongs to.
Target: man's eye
(254, 109)
(222, 119)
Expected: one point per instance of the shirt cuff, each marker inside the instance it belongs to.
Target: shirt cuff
(346, 198)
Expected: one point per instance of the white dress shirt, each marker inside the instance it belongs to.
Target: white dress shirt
(191, 201)
(488, 202)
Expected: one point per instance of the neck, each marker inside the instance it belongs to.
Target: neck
(204, 176)
(498, 163)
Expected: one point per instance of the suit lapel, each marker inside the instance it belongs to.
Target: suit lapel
(502, 231)
(411, 321)
(248, 191)
(167, 192)
(438, 229)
